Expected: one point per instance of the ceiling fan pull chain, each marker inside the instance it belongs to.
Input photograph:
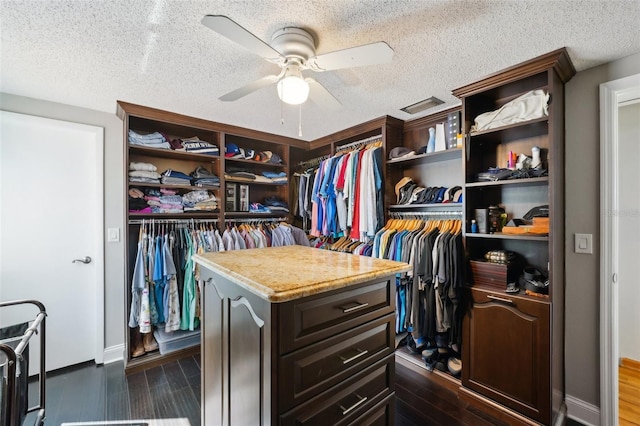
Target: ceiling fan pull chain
(300, 120)
(282, 113)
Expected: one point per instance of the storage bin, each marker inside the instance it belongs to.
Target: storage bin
(490, 274)
(176, 340)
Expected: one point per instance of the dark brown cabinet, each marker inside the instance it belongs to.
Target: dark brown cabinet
(336, 368)
(513, 344)
(509, 340)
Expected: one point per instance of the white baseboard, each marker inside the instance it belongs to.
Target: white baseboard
(113, 353)
(583, 412)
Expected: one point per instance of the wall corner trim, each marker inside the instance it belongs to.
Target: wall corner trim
(113, 353)
(584, 412)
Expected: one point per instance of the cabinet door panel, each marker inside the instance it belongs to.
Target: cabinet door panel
(212, 365)
(317, 367)
(246, 344)
(506, 353)
(309, 320)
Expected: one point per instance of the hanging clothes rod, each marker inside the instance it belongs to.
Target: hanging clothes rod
(170, 221)
(437, 214)
(312, 162)
(372, 139)
(256, 219)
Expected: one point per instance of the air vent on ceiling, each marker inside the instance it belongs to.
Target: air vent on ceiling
(422, 105)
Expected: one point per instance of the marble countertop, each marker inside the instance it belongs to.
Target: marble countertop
(280, 274)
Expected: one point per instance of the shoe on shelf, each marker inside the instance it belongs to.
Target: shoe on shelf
(149, 342)
(137, 348)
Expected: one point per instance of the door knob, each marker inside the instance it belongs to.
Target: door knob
(85, 260)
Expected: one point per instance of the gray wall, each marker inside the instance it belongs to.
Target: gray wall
(113, 197)
(582, 353)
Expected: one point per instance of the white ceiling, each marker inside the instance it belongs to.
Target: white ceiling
(156, 53)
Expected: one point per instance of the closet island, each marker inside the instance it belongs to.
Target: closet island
(297, 335)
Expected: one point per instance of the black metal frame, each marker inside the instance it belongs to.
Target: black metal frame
(14, 355)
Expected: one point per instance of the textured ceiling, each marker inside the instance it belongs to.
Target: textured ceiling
(157, 53)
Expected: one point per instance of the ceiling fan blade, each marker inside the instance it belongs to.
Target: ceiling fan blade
(320, 95)
(368, 54)
(236, 33)
(249, 88)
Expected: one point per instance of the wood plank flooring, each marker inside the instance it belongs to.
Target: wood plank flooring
(629, 393)
(172, 391)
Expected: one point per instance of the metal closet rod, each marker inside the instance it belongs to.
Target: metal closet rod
(199, 221)
(438, 214)
(174, 221)
(366, 141)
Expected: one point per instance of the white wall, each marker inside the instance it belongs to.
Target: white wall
(629, 216)
(113, 196)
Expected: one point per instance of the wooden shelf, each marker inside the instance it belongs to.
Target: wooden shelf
(247, 215)
(527, 181)
(256, 183)
(255, 163)
(416, 359)
(160, 185)
(456, 206)
(185, 215)
(172, 154)
(501, 236)
(510, 126)
(432, 157)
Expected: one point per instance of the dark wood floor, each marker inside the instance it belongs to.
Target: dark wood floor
(172, 391)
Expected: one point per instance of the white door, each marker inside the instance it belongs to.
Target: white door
(51, 213)
(619, 231)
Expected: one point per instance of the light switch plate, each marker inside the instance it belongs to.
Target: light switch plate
(583, 243)
(113, 235)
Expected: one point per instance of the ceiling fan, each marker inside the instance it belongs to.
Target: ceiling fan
(294, 50)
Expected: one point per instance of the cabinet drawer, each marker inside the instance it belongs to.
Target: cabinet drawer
(317, 367)
(309, 320)
(345, 403)
(382, 414)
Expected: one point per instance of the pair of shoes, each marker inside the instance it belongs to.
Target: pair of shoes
(149, 342)
(137, 347)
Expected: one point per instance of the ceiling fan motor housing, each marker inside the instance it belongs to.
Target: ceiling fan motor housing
(294, 43)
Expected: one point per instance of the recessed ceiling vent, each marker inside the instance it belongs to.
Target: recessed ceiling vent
(422, 105)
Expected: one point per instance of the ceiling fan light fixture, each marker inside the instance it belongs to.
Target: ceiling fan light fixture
(292, 89)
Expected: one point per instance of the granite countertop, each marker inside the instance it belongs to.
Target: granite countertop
(280, 274)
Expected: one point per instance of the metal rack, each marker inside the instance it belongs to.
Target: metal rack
(426, 215)
(13, 407)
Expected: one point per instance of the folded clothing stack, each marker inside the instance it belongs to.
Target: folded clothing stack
(137, 203)
(239, 175)
(163, 201)
(258, 208)
(174, 177)
(203, 177)
(143, 173)
(199, 200)
(276, 204)
(151, 140)
(275, 177)
(196, 146)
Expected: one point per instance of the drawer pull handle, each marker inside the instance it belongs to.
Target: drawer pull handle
(361, 401)
(500, 299)
(354, 308)
(353, 358)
